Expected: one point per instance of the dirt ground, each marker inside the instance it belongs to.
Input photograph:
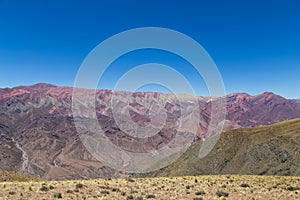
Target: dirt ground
(189, 187)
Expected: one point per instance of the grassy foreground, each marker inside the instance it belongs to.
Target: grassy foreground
(188, 187)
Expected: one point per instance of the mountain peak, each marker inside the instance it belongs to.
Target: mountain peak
(41, 85)
(37, 86)
(267, 95)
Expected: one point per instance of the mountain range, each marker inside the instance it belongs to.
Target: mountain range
(38, 133)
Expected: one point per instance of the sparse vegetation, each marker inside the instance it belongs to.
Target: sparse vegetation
(104, 192)
(245, 185)
(291, 188)
(207, 187)
(200, 193)
(44, 188)
(150, 196)
(130, 196)
(198, 198)
(58, 195)
(123, 193)
(130, 180)
(16, 176)
(265, 150)
(222, 194)
(79, 185)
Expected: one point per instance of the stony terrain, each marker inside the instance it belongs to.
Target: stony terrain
(177, 188)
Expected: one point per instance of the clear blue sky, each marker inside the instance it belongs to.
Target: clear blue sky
(255, 43)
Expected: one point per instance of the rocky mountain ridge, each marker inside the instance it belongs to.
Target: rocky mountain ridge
(38, 134)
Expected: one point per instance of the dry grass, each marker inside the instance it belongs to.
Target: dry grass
(16, 176)
(188, 187)
(267, 150)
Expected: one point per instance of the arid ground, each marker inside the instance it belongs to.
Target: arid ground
(188, 187)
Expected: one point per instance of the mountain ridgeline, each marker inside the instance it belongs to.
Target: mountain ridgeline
(38, 134)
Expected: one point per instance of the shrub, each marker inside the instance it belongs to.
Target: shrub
(79, 185)
(115, 190)
(198, 198)
(291, 188)
(104, 192)
(222, 194)
(130, 180)
(200, 193)
(150, 196)
(76, 190)
(58, 195)
(123, 193)
(44, 188)
(245, 185)
(130, 197)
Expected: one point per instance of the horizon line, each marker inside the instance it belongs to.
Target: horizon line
(227, 94)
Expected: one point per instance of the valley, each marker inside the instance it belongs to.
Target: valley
(38, 134)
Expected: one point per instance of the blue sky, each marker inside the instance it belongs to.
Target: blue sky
(255, 44)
